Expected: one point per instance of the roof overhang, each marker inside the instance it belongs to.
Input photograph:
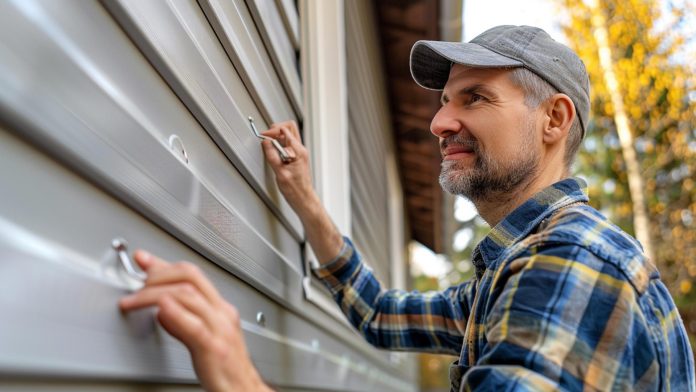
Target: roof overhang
(401, 24)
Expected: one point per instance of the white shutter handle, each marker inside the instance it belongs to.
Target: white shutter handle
(121, 247)
(284, 156)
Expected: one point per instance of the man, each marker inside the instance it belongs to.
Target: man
(561, 298)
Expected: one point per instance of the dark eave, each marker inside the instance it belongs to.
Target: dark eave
(401, 24)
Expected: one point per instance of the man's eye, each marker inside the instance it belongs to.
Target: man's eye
(475, 98)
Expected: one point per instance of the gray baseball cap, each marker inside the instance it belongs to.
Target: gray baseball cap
(507, 47)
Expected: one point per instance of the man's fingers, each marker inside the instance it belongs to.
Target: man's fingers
(291, 128)
(290, 141)
(183, 272)
(182, 324)
(184, 294)
(271, 154)
(275, 130)
(291, 153)
(161, 272)
(288, 135)
(151, 295)
(294, 129)
(147, 260)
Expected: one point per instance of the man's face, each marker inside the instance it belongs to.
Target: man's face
(488, 136)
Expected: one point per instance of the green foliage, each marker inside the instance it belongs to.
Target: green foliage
(424, 283)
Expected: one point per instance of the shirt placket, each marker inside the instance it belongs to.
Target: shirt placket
(471, 330)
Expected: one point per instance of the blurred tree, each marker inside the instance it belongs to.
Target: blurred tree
(653, 66)
(623, 128)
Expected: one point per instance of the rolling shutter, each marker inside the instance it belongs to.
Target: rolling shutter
(371, 144)
(128, 119)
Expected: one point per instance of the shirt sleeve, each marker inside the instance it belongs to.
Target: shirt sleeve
(564, 320)
(396, 319)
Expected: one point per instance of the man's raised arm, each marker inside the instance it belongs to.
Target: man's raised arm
(295, 182)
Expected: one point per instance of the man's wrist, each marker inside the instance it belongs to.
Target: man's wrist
(322, 234)
(310, 208)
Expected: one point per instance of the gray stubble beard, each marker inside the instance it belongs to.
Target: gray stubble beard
(488, 178)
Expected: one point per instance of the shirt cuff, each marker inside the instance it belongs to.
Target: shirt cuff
(337, 272)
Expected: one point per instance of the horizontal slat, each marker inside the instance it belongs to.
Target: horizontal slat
(110, 116)
(288, 10)
(370, 138)
(74, 85)
(60, 282)
(179, 42)
(61, 385)
(279, 44)
(235, 28)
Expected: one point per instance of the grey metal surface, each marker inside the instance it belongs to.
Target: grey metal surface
(95, 145)
(235, 28)
(370, 138)
(278, 41)
(59, 385)
(288, 11)
(60, 281)
(178, 40)
(109, 115)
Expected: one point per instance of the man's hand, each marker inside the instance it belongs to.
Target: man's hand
(294, 178)
(192, 310)
(295, 182)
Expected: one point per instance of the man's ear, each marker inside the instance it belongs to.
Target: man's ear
(561, 114)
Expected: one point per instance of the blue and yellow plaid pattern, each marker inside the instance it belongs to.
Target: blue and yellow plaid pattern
(561, 300)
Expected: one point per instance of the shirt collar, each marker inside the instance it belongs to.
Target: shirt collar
(521, 221)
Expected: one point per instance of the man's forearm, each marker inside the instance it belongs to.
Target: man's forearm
(322, 234)
(295, 182)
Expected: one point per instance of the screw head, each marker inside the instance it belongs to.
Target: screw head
(261, 319)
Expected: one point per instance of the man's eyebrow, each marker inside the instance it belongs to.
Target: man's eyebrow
(469, 90)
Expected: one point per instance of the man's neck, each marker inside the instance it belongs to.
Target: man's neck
(495, 207)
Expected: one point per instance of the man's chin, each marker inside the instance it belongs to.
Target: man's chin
(456, 181)
(458, 168)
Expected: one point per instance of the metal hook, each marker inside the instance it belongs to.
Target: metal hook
(284, 156)
(120, 246)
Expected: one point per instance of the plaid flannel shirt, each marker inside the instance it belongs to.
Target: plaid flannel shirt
(561, 300)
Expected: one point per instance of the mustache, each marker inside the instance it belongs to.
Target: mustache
(458, 139)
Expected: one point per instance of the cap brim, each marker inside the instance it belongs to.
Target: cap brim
(431, 61)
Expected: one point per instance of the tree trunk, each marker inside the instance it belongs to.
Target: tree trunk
(623, 128)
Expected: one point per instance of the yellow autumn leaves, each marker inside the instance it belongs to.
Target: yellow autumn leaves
(650, 56)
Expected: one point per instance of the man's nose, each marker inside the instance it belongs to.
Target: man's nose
(445, 123)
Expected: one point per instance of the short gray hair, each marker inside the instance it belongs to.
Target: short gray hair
(537, 90)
